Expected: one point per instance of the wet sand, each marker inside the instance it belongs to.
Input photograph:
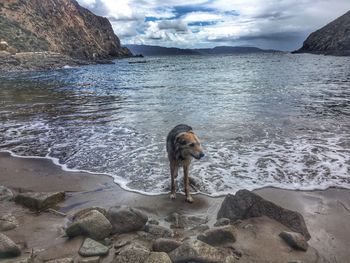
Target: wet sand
(327, 213)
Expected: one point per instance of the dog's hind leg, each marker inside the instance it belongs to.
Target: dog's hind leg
(186, 182)
(173, 172)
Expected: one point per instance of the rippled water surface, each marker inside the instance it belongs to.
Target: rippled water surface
(264, 120)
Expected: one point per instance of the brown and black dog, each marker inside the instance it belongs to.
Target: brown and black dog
(182, 144)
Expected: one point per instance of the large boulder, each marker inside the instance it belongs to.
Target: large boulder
(218, 235)
(8, 248)
(245, 204)
(92, 224)
(8, 222)
(126, 219)
(39, 201)
(197, 251)
(91, 248)
(165, 245)
(295, 240)
(5, 194)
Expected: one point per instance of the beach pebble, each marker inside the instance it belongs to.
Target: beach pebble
(165, 245)
(222, 222)
(158, 231)
(219, 235)
(245, 204)
(295, 240)
(8, 248)
(5, 194)
(157, 257)
(40, 201)
(91, 248)
(92, 224)
(8, 222)
(126, 219)
(196, 251)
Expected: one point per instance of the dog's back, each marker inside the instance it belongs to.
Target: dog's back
(170, 140)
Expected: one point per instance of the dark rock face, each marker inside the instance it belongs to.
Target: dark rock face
(245, 204)
(332, 39)
(61, 26)
(126, 219)
(8, 248)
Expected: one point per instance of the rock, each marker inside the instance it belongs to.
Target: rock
(3, 46)
(132, 254)
(92, 224)
(8, 222)
(295, 240)
(85, 210)
(5, 194)
(219, 235)
(158, 231)
(89, 260)
(196, 251)
(60, 260)
(126, 219)
(165, 245)
(39, 201)
(153, 221)
(158, 257)
(182, 221)
(222, 222)
(245, 204)
(8, 248)
(201, 228)
(91, 248)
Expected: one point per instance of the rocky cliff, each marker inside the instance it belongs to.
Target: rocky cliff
(61, 26)
(333, 39)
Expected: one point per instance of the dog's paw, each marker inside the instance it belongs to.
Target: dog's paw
(189, 199)
(172, 196)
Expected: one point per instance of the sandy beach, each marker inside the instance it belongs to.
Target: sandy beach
(326, 213)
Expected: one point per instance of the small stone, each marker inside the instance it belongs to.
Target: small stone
(39, 201)
(92, 224)
(222, 222)
(126, 219)
(153, 221)
(90, 260)
(8, 248)
(5, 194)
(91, 248)
(165, 245)
(158, 257)
(219, 235)
(158, 231)
(61, 260)
(8, 222)
(295, 240)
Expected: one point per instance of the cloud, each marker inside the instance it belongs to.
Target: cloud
(279, 24)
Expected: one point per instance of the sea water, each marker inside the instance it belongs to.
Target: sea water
(278, 120)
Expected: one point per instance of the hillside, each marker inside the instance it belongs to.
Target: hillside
(332, 39)
(61, 26)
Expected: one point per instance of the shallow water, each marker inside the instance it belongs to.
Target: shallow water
(264, 119)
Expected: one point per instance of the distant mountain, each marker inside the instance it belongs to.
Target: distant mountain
(159, 51)
(332, 39)
(162, 51)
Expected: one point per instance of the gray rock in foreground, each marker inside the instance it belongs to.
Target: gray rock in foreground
(8, 222)
(39, 201)
(91, 248)
(165, 245)
(197, 251)
(126, 219)
(158, 257)
(132, 254)
(92, 224)
(245, 204)
(8, 248)
(5, 194)
(295, 240)
(158, 231)
(219, 235)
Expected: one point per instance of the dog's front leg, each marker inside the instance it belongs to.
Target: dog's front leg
(186, 182)
(173, 172)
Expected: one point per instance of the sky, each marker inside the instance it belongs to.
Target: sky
(269, 24)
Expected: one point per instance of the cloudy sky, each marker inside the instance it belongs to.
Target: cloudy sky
(277, 24)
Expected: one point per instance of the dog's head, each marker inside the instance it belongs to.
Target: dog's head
(188, 145)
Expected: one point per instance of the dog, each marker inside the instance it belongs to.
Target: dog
(182, 145)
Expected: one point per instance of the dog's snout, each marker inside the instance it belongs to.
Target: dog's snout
(201, 155)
